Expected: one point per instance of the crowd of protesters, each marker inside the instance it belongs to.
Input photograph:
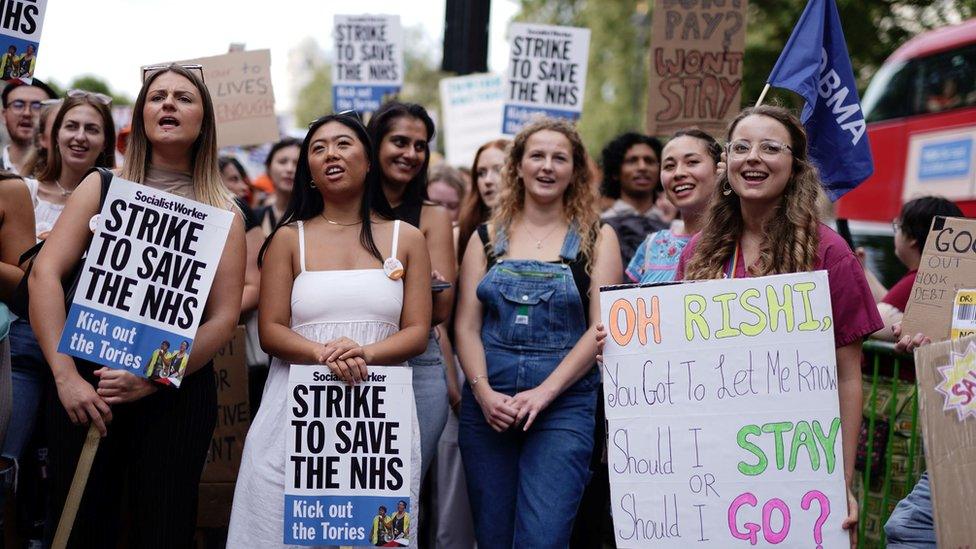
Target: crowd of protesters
(484, 281)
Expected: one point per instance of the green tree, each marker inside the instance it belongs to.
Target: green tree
(315, 97)
(616, 84)
(96, 84)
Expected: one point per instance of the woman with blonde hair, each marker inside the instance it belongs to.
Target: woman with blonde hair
(159, 437)
(529, 302)
(763, 220)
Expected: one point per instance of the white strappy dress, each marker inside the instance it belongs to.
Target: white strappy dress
(361, 304)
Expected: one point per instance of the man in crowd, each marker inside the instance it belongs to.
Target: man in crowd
(21, 105)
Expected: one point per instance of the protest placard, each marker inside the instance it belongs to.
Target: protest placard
(696, 64)
(948, 265)
(723, 419)
(368, 68)
(946, 374)
(347, 467)
(472, 110)
(240, 86)
(546, 74)
(941, 163)
(233, 420)
(20, 37)
(145, 281)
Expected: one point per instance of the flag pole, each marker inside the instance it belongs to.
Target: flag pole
(762, 95)
(77, 488)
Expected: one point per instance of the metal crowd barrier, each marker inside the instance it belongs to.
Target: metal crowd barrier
(890, 458)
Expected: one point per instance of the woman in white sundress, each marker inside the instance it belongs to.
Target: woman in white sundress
(327, 299)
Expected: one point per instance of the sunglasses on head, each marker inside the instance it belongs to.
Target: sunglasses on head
(95, 96)
(150, 70)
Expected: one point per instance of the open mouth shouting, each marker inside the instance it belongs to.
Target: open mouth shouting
(169, 122)
(334, 172)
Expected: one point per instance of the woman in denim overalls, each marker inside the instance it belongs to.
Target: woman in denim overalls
(528, 290)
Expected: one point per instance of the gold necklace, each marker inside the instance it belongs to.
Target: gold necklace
(340, 224)
(538, 241)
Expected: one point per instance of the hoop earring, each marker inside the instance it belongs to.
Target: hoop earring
(727, 189)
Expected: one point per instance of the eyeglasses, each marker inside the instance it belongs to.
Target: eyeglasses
(99, 97)
(19, 105)
(767, 149)
(150, 70)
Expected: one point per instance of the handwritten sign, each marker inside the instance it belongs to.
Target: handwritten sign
(368, 69)
(546, 74)
(948, 265)
(20, 36)
(946, 393)
(348, 456)
(240, 86)
(696, 64)
(145, 281)
(722, 409)
(472, 114)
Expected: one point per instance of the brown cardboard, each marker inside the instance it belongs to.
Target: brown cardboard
(240, 86)
(696, 64)
(233, 412)
(948, 264)
(214, 506)
(950, 445)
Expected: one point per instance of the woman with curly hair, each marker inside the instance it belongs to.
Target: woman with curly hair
(529, 300)
(763, 220)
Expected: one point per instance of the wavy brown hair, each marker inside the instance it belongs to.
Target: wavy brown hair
(579, 199)
(791, 236)
(474, 211)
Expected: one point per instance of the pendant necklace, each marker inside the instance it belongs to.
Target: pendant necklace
(538, 241)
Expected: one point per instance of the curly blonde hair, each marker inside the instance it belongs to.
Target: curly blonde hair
(791, 235)
(579, 199)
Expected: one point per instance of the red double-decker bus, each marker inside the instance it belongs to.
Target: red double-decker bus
(921, 114)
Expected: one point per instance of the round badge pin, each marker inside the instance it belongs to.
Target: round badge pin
(93, 222)
(393, 268)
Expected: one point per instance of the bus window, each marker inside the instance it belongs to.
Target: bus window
(950, 79)
(893, 92)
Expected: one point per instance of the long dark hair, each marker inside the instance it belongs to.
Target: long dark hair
(380, 124)
(306, 201)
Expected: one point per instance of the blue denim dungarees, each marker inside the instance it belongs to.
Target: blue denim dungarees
(525, 487)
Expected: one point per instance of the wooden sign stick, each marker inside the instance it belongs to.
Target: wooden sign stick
(77, 489)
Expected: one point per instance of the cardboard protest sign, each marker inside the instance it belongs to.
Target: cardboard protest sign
(20, 35)
(368, 68)
(546, 74)
(472, 110)
(348, 455)
(233, 420)
(240, 86)
(946, 375)
(145, 281)
(723, 417)
(696, 64)
(948, 265)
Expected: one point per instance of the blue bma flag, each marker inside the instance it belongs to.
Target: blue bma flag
(815, 65)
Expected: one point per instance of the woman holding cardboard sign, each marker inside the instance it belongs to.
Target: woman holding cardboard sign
(172, 148)
(344, 286)
(529, 302)
(763, 220)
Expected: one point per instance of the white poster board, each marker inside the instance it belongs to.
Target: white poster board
(145, 281)
(368, 68)
(546, 74)
(20, 37)
(347, 455)
(472, 107)
(722, 408)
